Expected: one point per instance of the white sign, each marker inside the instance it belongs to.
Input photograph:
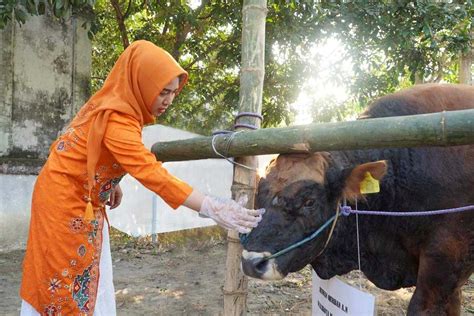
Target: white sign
(335, 298)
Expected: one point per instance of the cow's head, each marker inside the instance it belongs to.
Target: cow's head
(300, 193)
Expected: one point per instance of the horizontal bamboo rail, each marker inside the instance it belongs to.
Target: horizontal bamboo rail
(434, 129)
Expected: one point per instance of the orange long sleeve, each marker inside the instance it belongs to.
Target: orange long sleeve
(123, 139)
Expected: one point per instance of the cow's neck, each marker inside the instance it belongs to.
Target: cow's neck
(385, 244)
(416, 180)
(400, 188)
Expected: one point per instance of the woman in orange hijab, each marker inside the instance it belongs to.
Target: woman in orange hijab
(67, 266)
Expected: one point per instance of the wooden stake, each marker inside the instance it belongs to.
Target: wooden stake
(244, 184)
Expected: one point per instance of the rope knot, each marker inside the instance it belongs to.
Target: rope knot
(346, 210)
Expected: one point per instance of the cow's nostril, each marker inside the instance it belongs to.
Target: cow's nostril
(260, 266)
(254, 267)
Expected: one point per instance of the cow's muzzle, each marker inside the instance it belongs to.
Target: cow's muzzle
(255, 265)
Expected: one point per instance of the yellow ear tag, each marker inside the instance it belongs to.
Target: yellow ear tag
(369, 184)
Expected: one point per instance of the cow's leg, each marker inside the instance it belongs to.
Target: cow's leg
(424, 305)
(441, 274)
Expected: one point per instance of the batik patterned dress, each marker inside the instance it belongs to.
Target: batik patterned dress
(61, 265)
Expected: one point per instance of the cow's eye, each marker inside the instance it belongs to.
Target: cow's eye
(309, 203)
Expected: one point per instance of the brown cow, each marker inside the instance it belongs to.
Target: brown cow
(435, 253)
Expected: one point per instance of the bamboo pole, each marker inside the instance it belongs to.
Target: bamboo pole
(465, 65)
(434, 129)
(244, 183)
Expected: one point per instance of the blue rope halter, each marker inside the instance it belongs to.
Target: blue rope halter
(346, 211)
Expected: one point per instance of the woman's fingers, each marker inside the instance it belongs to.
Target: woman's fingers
(112, 200)
(115, 197)
(258, 212)
(247, 224)
(243, 230)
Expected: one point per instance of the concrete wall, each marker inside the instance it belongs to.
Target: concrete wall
(15, 201)
(44, 79)
(6, 85)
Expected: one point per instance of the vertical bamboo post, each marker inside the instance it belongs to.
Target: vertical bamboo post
(250, 100)
(465, 65)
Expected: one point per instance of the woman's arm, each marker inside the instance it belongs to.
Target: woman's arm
(123, 140)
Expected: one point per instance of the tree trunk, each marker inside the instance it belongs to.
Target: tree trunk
(244, 184)
(121, 23)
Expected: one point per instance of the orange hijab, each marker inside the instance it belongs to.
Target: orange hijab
(138, 76)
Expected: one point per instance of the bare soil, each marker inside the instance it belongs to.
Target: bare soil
(187, 277)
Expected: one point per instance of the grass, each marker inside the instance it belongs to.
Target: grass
(196, 238)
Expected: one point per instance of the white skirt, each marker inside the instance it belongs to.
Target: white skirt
(105, 303)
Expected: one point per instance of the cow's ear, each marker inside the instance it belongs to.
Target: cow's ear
(352, 184)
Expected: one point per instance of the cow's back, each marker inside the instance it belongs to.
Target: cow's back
(426, 98)
(448, 171)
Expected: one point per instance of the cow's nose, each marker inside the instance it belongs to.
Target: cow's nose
(255, 267)
(255, 264)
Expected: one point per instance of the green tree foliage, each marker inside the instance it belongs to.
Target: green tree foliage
(206, 41)
(19, 10)
(390, 44)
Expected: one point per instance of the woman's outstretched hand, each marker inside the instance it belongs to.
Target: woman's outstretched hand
(230, 214)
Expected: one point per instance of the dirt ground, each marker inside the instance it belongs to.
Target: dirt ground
(186, 278)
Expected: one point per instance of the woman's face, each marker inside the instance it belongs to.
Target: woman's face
(165, 98)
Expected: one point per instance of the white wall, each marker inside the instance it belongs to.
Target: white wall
(15, 200)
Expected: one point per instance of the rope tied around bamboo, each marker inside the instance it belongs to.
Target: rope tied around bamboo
(228, 142)
(234, 240)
